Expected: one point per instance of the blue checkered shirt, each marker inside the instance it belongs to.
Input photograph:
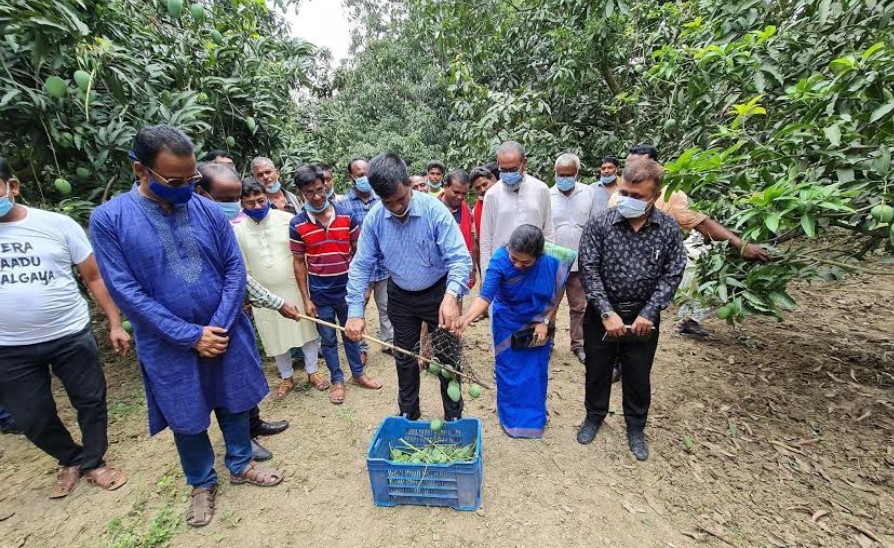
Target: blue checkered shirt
(359, 209)
(416, 253)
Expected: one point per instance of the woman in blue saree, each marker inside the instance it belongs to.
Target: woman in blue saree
(523, 283)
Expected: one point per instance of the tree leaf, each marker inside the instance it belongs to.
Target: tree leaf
(809, 225)
(772, 221)
(881, 111)
(833, 134)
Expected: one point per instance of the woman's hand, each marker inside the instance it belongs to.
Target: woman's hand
(461, 324)
(541, 331)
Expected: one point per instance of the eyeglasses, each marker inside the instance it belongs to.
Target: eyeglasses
(175, 183)
(310, 195)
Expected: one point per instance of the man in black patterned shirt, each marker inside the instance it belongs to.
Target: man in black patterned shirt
(631, 262)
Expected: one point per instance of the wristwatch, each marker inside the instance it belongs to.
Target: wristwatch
(607, 315)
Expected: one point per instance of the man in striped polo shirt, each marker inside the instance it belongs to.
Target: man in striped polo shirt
(324, 238)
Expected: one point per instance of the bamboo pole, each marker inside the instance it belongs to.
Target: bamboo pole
(469, 378)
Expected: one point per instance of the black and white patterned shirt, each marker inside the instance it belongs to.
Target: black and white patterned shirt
(618, 265)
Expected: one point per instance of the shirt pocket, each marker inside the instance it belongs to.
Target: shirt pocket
(652, 266)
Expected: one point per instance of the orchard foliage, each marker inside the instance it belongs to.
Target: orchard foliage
(777, 117)
(79, 77)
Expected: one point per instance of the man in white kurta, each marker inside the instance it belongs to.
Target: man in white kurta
(516, 199)
(264, 241)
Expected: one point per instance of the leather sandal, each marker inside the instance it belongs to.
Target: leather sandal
(284, 388)
(365, 381)
(258, 474)
(201, 506)
(318, 381)
(66, 480)
(337, 393)
(106, 477)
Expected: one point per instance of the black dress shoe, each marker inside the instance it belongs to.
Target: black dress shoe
(10, 427)
(636, 439)
(269, 428)
(411, 416)
(259, 453)
(587, 432)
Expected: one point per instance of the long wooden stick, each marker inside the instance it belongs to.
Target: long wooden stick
(398, 349)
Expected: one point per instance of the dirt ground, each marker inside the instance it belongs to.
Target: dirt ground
(778, 434)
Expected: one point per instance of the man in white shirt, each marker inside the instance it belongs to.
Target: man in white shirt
(571, 202)
(44, 323)
(516, 199)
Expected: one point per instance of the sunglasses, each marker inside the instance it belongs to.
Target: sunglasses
(175, 183)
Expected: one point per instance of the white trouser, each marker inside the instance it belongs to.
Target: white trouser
(311, 357)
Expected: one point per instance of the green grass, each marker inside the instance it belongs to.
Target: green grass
(145, 525)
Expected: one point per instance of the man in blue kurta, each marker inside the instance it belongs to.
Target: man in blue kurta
(172, 265)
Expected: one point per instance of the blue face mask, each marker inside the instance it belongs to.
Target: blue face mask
(631, 208)
(6, 202)
(274, 189)
(230, 209)
(330, 194)
(309, 207)
(511, 178)
(171, 195)
(565, 183)
(258, 214)
(434, 186)
(362, 184)
(607, 179)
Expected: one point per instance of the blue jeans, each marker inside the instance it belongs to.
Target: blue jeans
(4, 415)
(197, 455)
(328, 313)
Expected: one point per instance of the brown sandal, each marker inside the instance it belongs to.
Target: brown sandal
(365, 381)
(337, 393)
(201, 506)
(66, 480)
(106, 477)
(318, 381)
(284, 388)
(258, 474)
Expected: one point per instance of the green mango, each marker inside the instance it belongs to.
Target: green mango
(175, 8)
(82, 78)
(217, 37)
(83, 172)
(437, 425)
(55, 87)
(197, 12)
(453, 391)
(670, 124)
(882, 213)
(474, 391)
(250, 124)
(231, 141)
(62, 186)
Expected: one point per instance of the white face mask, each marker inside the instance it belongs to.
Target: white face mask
(406, 211)
(631, 208)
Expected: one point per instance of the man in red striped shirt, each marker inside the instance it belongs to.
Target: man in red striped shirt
(324, 239)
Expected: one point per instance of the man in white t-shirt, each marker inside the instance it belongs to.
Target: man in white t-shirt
(44, 323)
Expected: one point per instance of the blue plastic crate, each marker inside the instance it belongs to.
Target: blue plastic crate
(457, 485)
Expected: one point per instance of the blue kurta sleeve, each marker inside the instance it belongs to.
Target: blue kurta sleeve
(234, 276)
(453, 248)
(362, 267)
(127, 292)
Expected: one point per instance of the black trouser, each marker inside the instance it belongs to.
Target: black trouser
(636, 357)
(254, 419)
(407, 310)
(26, 392)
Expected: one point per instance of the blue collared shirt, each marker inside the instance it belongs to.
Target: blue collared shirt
(416, 253)
(359, 209)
